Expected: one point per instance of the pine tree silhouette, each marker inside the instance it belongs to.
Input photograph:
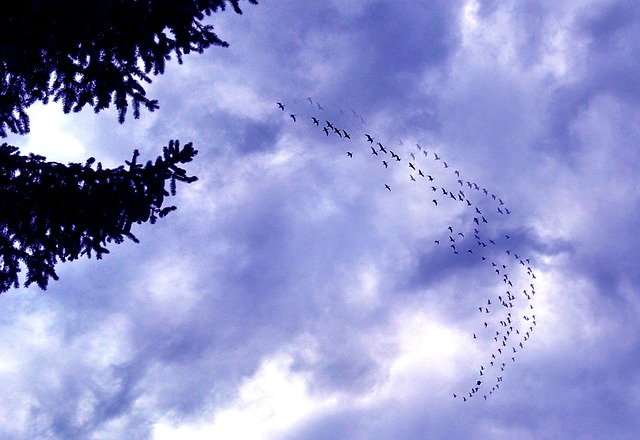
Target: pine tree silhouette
(95, 53)
(52, 211)
(87, 52)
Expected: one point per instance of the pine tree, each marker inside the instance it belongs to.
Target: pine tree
(52, 211)
(95, 53)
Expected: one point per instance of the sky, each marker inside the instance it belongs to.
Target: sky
(305, 290)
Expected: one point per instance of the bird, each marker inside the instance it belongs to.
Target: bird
(346, 135)
(373, 151)
(411, 166)
(315, 120)
(435, 202)
(412, 178)
(420, 173)
(369, 138)
(436, 155)
(319, 106)
(388, 187)
(310, 100)
(281, 105)
(293, 117)
(349, 153)
(386, 165)
(382, 148)
(326, 131)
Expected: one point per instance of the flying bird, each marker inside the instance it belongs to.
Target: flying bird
(293, 117)
(369, 138)
(373, 151)
(315, 120)
(281, 105)
(388, 187)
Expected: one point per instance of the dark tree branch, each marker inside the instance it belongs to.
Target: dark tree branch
(50, 211)
(94, 52)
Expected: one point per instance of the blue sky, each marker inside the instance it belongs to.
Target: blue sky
(293, 296)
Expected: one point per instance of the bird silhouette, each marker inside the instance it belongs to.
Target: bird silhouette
(281, 105)
(293, 117)
(315, 120)
(388, 187)
(369, 138)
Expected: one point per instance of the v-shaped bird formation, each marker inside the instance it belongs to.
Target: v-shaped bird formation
(507, 318)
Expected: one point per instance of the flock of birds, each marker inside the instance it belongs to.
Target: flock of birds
(508, 318)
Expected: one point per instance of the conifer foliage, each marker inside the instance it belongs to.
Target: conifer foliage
(52, 211)
(94, 52)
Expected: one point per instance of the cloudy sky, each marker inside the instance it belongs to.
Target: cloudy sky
(293, 295)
